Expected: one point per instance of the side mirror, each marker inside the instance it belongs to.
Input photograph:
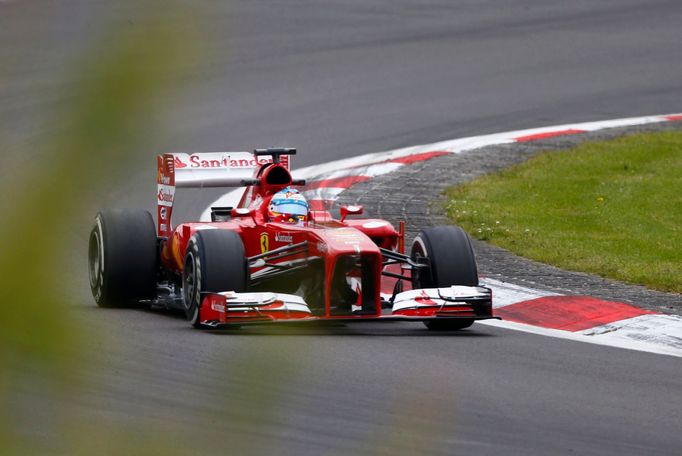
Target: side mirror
(243, 212)
(350, 210)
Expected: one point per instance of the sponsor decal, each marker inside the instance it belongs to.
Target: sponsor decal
(322, 247)
(264, 242)
(343, 234)
(179, 164)
(346, 236)
(163, 212)
(284, 237)
(165, 195)
(218, 307)
(425, 299)
(164, 170)
(164, 227)
(204, 162)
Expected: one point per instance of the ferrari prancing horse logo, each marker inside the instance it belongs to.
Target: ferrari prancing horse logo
(264, 242)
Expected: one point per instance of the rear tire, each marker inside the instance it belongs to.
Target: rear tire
(214, 262)
(449, 251)
(122, 257)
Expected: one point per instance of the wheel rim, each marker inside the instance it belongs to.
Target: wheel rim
(418, 252)
(96, 262)
(192, 288)
(94, 259)
(189, 286)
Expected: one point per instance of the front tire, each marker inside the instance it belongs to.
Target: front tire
(122, 257)
(448, 251)
(214, 262)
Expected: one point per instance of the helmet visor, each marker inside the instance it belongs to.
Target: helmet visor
(291, 208)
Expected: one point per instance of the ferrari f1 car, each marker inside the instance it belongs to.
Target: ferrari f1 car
(243, 267)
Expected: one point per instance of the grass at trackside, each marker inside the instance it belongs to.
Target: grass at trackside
(611, 208)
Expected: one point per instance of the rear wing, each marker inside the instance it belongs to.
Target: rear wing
(199, 170)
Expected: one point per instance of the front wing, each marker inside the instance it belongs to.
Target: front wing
(456, 302)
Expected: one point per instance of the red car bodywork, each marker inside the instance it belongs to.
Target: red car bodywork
(360, 245)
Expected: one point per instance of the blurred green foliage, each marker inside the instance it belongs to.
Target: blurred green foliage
(119, 84)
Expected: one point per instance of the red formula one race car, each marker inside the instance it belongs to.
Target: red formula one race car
(273, 259)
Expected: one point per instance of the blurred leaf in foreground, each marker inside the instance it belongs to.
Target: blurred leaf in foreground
(110, 112)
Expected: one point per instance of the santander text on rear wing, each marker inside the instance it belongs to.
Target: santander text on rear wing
(198, 170)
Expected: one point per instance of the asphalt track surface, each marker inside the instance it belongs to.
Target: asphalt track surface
(337, 79)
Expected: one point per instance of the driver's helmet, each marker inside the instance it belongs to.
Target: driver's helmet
(288, 206)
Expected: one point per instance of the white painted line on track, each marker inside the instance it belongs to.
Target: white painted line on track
(324, 193)
(229, 199)
(659, 329)
(634, 342)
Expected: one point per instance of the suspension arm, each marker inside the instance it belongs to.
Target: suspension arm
(401, 258)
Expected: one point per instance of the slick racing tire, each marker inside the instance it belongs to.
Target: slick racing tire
(452, 262)
(122, 257)
(214, 261)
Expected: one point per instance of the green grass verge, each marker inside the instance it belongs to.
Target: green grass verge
(611, 208)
